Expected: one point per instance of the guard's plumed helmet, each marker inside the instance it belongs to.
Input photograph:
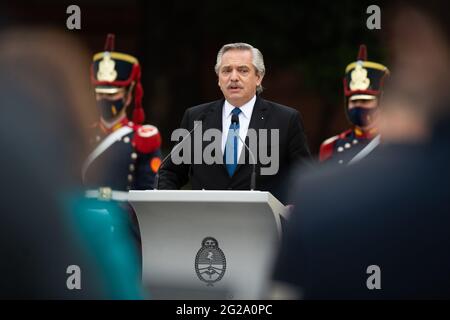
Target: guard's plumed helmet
(111, 70)
(364, 80)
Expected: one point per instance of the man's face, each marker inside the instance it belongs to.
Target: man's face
(237, 77)
(363, 113)
(112, 105)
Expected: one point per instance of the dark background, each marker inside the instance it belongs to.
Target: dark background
(306, 47)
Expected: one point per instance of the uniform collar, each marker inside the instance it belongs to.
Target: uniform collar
(366, 134)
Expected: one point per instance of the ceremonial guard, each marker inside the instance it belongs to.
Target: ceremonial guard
(363, 87)
(126, 154)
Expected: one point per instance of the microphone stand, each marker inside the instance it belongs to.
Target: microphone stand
(235, 121)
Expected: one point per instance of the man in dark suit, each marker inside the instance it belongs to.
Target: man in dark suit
(240, 70)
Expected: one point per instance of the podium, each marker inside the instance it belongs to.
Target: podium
(207, 244)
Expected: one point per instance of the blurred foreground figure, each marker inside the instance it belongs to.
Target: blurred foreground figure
(390, 240)
(363, 87)
(46, 224)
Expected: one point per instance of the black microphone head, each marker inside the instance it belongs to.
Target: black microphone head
(234, 119)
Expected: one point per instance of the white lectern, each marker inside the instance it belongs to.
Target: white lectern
(207, 244)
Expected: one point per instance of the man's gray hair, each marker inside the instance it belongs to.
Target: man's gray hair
(258, 60)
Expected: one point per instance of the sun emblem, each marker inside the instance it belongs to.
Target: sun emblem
(359, 78)
(106, 69)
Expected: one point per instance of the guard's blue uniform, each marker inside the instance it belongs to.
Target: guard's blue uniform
(129, 162)
(343, 147)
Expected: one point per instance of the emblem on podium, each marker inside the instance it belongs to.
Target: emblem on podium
(210, 262)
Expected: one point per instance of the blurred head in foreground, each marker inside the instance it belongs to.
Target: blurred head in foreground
(52, 100)
(388, 239)
(43, 98)
(418, 97)
(46, 103)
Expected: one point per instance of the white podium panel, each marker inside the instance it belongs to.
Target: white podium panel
(207, 244)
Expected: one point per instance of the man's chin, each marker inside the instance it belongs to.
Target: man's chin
(235, 100)
(235, 95)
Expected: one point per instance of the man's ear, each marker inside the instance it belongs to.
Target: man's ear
(260, 78)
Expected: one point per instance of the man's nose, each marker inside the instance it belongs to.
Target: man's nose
(234, 75)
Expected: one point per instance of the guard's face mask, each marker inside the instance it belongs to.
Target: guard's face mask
(110, 109)
(360, 116)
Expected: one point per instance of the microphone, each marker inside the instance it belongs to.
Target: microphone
(235, 121)
(201, 118)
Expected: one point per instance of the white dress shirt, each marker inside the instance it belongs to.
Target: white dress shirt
(244, 121)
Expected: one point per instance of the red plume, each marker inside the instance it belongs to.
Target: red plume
(362, 55)
(138, 112)
(109, 44)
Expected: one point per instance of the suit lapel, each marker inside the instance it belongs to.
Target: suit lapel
(215, 121)
(259, 114)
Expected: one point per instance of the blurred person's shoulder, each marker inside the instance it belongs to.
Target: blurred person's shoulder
(389, 167)
(384, 157)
